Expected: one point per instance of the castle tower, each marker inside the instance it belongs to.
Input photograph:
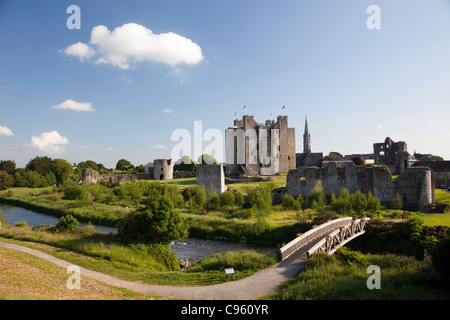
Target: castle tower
(306, 139)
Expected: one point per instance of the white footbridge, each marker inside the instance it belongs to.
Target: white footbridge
(327, 237)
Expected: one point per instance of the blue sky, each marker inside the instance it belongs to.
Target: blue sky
(357, 85)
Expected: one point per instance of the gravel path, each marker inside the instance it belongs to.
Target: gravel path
(258, 285)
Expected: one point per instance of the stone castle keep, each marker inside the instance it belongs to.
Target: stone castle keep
(243, 155)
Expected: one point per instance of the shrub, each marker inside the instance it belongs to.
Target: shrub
(157, 222)
(358, 201)
(189, 192)
(21, 224)
(287, 201)
(72, 190)
(350, 257)
(67, 222)
(227, 199)
(57, 196)
(200, 196)
(212, 201)
(441, 258)
(373, 204)
(316, 198)
(397, 202)
(239, 199)
(260, 196)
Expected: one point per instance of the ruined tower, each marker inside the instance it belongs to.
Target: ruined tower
(392, 154)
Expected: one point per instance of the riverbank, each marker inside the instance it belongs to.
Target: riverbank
(213, 225)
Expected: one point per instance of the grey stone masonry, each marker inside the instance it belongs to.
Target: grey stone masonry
(211, 175)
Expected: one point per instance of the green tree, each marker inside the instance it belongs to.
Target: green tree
(123, 165)
(430, 157)
(8, 166)
(131, 190)
(89, 164)
(330, 157)
(40, 164)
(358, 160)
(62, 170)
(157, 222)
(185, 163)
(33, 179)
(207, 159)
(6, 180)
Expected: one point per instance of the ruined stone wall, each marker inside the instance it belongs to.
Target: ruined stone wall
(392, 154)
(414, 185)
(211, 175)
(93, 176)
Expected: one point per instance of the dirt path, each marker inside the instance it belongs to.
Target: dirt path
(258, 285)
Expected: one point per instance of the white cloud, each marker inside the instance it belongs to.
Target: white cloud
(110, 149)
(49, 141)
(379, 126)
(83, 147)
(80, 50)
(168, 110)
(158, 146)
(133, 42)
(5, 131)
(73, 105)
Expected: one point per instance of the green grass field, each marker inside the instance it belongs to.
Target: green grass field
(438, 220)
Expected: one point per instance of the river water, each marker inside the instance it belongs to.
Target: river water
(190, 248)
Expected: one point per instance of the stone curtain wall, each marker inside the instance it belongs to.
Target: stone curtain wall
(414, 185)
(93, 176)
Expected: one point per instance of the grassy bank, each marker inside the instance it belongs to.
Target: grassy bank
(35, 279)
(344, 276)
(45, 200)
(154, 264)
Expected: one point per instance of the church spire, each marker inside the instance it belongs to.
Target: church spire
(306, 138)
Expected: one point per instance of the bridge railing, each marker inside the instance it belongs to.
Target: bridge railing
(340, 236)
(310, 235)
